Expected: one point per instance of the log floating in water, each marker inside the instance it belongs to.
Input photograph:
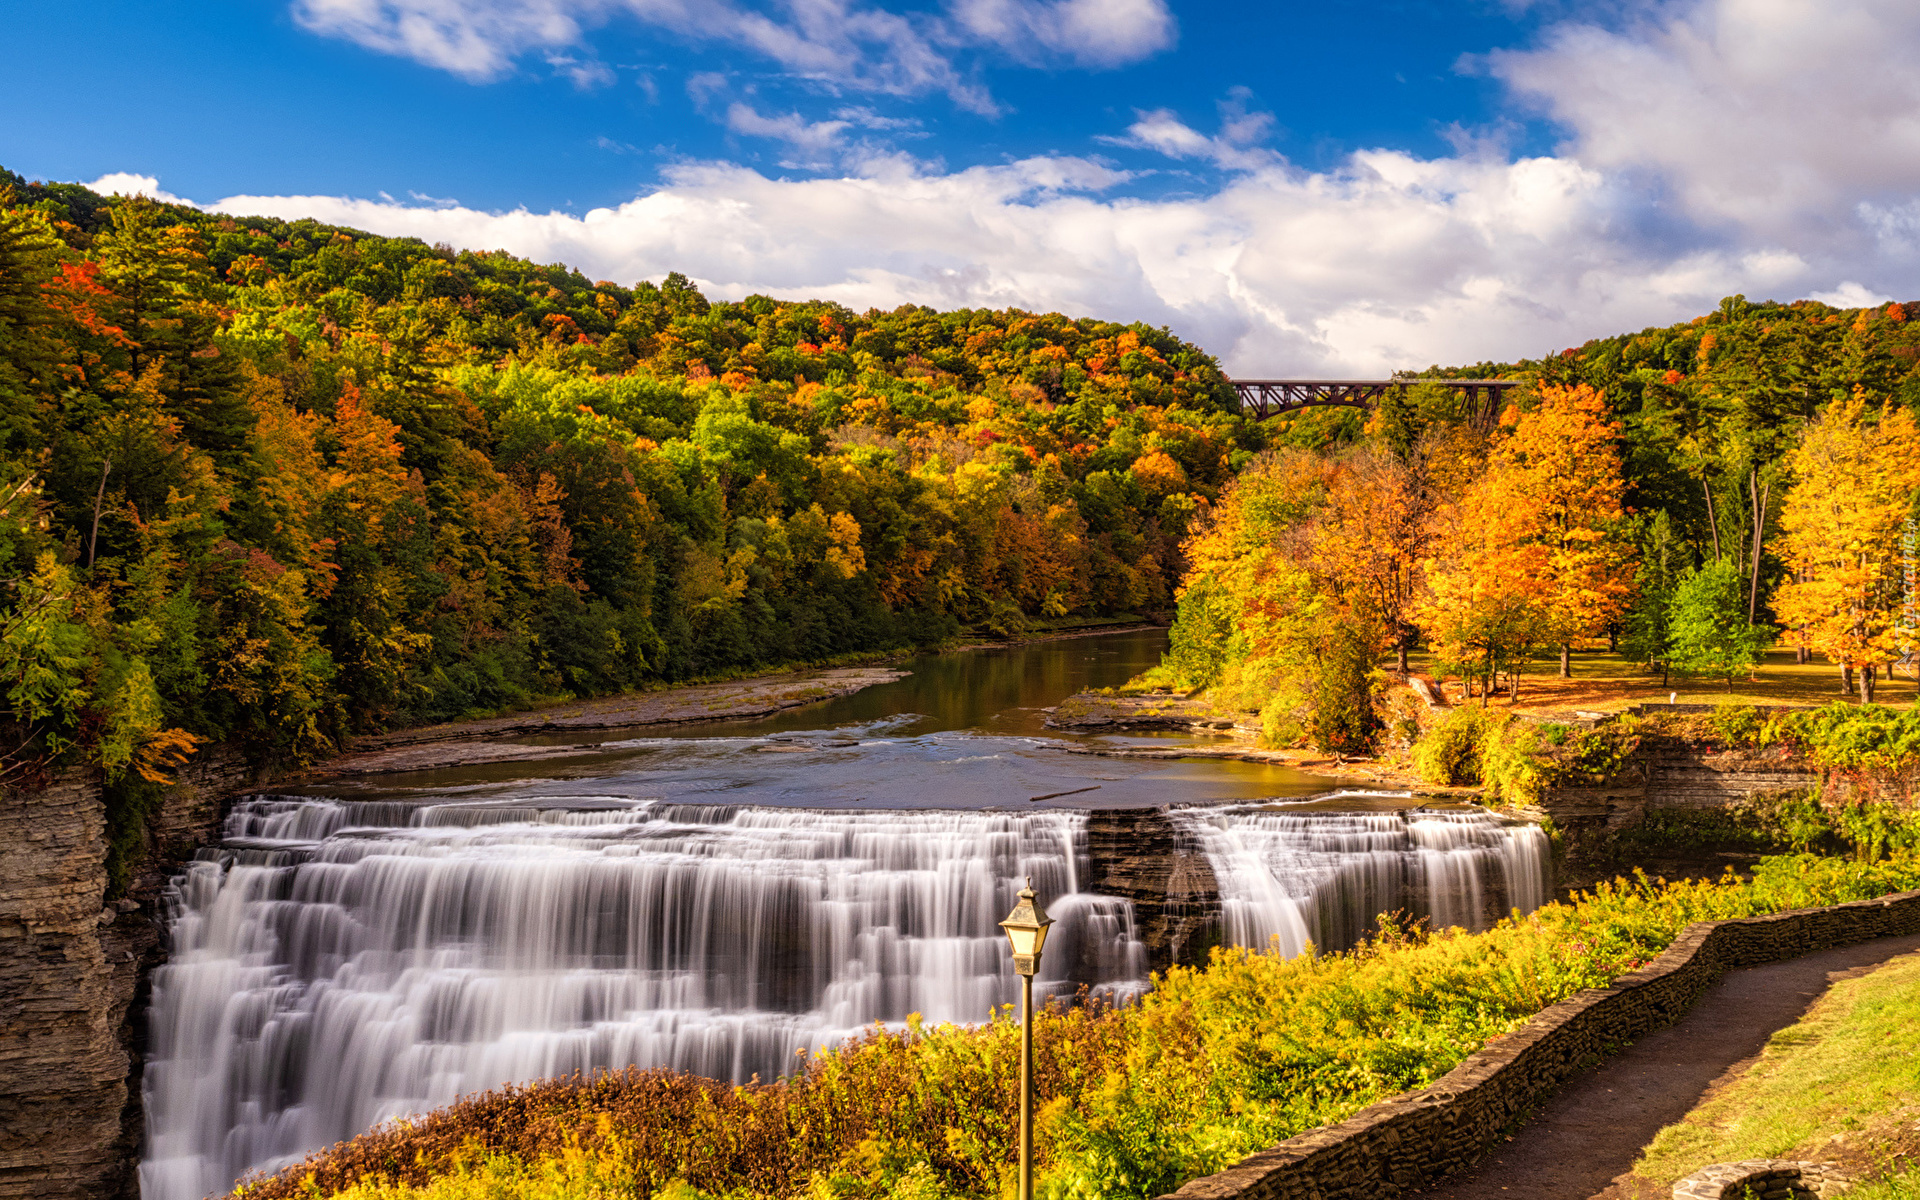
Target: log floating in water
(1057, 795)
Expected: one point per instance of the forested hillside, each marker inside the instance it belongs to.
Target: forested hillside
(1711, 408)
(278, 481)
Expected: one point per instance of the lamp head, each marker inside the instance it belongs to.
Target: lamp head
(1026, 928)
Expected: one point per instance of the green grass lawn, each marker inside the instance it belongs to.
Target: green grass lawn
(1843, 1084)
(1605, 682)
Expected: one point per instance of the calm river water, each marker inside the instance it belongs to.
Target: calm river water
(964, 730)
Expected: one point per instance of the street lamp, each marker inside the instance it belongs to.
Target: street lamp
(1026, 928)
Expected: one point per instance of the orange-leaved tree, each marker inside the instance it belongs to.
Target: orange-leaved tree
(1485, 606)
(1368, 541)
(1561, 461)
(1855, 473)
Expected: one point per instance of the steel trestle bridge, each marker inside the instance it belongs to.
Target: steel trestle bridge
(1263, 398)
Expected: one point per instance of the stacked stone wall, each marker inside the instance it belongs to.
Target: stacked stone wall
(1763, 1179)
(1415, 1138)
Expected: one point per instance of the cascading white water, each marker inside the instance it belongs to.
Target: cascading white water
(1323, 877)
(335, 964)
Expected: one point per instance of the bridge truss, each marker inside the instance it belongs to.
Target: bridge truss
(1263, 398)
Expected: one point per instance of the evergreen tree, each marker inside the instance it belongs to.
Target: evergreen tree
(1645, 633)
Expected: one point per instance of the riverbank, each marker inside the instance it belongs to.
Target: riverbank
(1236, 734)
(469, 743)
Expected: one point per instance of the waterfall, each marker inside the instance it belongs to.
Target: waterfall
(335, 963)
(1323, 877)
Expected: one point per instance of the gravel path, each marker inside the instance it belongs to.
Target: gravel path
(1583, 1142)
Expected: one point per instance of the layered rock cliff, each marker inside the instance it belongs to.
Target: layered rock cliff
(73, 968)
(1139, 853)
(1668, 772)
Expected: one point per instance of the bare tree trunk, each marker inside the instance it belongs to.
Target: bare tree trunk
(1402, 648)
(1613, 637)
(1759, 527)
(93, 541)
(1566, 661)
(1866, 685)
(1846, 679)
(1713, 520)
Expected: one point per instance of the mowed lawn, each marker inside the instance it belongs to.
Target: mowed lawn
(1606, 682)
(1841, 1084)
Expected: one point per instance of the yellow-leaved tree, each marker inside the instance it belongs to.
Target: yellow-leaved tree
(1854, 476)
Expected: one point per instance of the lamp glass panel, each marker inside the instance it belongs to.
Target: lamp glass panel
(1040, 938)
(1025, 939)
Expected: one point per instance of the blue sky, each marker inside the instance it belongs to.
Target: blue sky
(252, 97)
(1302, 188)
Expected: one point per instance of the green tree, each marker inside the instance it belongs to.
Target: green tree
(1644, 633)
(1707, 629)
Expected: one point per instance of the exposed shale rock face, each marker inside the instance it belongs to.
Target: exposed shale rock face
(1671, 773)
(72, 968)
(1140, 854)
(63, 1070)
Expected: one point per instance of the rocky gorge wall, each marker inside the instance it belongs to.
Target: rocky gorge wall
(1668, 772)
(72, 969)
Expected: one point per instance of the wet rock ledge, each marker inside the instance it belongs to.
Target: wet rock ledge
(1140, 854)
(1095, 712)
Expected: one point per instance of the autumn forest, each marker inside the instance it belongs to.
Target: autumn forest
(276, 483)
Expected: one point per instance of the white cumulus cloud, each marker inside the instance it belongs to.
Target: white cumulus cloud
(811, 140)
(122, 183)
(855, 44)
(474, 38)
(1095, 33)
(1389, 262)
(1234, 148)
(1765, 114)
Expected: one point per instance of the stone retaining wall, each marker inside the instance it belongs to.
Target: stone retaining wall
(1764, 1178)
(1414, 1138)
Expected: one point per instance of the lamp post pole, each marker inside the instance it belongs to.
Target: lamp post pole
(1026, 928)
(1026, 1087)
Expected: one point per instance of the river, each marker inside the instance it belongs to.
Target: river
(716, 897)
